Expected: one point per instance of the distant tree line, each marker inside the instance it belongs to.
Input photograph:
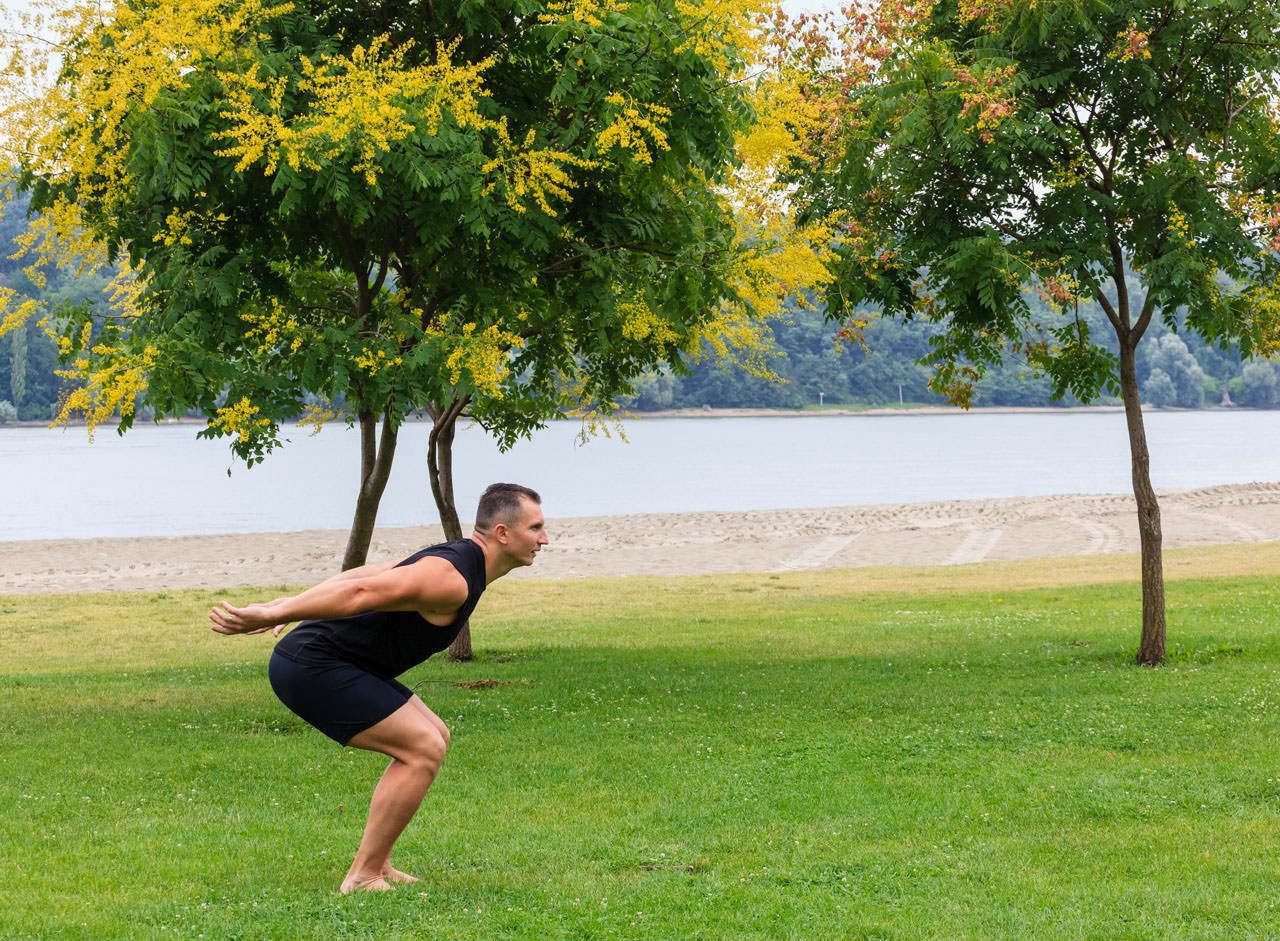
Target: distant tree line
(1175, 369)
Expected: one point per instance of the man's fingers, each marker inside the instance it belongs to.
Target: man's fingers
(226, 620)
(231, 620)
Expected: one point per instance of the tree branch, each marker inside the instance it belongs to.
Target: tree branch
(1144, 319)
(1109, 309)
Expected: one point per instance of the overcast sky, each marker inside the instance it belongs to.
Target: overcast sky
(808, 6)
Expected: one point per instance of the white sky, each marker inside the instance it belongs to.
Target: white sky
(795, 7)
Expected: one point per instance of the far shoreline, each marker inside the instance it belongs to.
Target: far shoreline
(709, 412)
(625, 415)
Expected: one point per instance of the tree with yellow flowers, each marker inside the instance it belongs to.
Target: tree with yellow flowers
(505, 210)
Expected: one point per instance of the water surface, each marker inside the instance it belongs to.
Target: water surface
(161, 480)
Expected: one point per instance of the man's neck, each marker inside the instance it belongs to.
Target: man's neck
(496, 564)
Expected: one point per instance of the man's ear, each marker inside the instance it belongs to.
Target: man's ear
(501, 531)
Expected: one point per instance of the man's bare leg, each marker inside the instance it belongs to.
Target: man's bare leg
(416, 740)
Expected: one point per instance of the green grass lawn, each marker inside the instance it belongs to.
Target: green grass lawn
(932, 754)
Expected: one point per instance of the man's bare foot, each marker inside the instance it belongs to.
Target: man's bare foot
(376, 884)
(391, 874)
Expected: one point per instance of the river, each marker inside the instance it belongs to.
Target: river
(160, 480)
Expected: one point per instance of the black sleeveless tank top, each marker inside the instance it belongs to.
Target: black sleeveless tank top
(389, 642)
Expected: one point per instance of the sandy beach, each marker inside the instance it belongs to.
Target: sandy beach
(945, 533)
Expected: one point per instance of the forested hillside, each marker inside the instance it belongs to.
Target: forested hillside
(1175, 369)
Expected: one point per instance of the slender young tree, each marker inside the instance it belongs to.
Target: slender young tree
(973, 152)
(18, 366)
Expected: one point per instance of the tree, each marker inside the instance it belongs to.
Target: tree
(1160, 390)
(976, 153)
(1261, 384)
(18, 365)
(1168, 355)
(503, 210)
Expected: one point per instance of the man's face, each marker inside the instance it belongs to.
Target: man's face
(528, 534)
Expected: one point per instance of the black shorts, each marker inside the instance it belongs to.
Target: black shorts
(338, 698)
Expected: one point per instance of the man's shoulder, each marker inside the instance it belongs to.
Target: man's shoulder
(459, 550)
(438, 578)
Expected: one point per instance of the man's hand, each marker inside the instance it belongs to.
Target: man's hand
(252, 619)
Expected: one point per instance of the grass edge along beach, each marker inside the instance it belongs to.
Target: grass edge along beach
(961, 752)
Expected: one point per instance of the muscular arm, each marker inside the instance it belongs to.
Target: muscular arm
(430, 586)
(360, 571)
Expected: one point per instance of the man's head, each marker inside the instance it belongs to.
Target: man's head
(510, 516)
(502, 503)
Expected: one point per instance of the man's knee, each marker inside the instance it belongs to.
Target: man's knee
(428, 747)
(436, 722)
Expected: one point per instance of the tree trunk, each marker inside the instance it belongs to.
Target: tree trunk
(375, 469)
(1152, 646)
(440, 467)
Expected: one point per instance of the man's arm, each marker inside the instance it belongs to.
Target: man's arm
(360, 571)
(429, 586)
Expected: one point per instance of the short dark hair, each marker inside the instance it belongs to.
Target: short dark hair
(500, 503)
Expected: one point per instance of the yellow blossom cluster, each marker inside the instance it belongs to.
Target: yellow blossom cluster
(600, 419)
(58, 237)
(240, 419)
(634, 126)
(735, 336)
(718, 30)
(484, 355)
(640, 322)
(374, 361)
(784, 115)
(112, 387)
(588, 12)
(1074, 173)
(16, 308)
(531, 173)
(1179, 227)
(318, 415)
(176, 225)
(124, 291)
(359, 106)
(273, 328)
(1131, 43)
(781, 262)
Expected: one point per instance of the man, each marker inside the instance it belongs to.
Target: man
(361, 629)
